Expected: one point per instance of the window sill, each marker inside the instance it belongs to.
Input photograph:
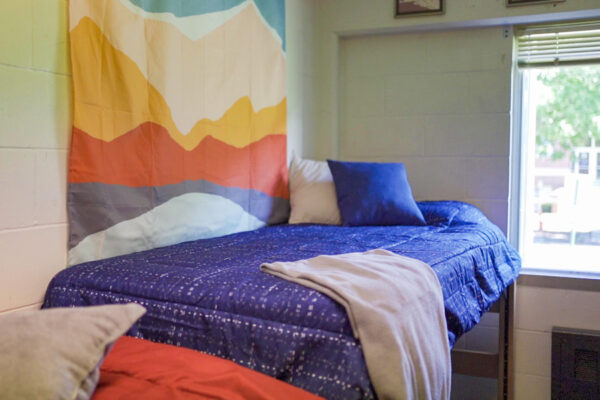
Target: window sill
(553, 279)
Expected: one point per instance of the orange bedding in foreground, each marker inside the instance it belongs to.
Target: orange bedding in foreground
(140, 369)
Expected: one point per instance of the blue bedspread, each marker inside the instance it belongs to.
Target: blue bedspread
(210, 294)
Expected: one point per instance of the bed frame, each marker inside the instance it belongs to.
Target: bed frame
(493, 365)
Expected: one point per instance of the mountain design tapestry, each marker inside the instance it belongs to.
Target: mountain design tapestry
(179, 124)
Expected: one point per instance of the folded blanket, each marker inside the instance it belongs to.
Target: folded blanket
(396, 309)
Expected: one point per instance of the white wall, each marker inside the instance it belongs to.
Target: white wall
(437, 101)
(344, 18)
(302, 44)
(34, 135)
(538, 310)
(35, 126)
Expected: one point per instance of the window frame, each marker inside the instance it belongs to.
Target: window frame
(517, 196)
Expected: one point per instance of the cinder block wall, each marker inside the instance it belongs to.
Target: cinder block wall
(438, 102)
(35, 120)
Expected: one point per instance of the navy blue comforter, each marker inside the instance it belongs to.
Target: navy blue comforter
(210, 294)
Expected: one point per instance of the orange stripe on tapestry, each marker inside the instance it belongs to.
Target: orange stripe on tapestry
(148, 156)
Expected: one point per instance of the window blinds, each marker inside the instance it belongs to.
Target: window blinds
(560, 44)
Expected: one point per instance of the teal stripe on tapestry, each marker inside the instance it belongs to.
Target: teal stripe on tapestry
(273, 11)
(184, 8)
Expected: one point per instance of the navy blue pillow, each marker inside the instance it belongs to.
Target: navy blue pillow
(374, 194)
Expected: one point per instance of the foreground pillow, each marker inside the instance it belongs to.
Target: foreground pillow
(374, 194)
(55, 353)
(312, 193)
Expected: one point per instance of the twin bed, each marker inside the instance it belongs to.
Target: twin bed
(210, 294)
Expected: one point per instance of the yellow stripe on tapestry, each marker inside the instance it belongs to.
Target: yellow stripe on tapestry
(210, 66)
(112, 97)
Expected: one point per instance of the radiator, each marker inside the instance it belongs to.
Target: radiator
(575, 364)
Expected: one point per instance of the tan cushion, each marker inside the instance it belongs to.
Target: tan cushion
(55, 353)
(312, 193)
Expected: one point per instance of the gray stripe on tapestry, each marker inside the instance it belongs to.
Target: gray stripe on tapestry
(94, 207)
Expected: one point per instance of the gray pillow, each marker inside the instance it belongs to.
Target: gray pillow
(56, 353)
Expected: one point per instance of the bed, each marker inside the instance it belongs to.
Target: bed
(210, 295)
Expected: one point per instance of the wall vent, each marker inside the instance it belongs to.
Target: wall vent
(575, 364)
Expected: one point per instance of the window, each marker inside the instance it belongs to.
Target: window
(559, 219)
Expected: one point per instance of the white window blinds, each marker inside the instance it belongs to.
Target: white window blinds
(560, 44)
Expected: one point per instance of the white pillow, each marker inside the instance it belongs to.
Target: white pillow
(56, 353)
(312, 193)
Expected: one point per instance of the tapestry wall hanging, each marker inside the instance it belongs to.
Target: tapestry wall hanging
(179, 124)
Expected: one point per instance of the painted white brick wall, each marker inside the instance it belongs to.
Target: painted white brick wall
(412, 98)
(35, 119)
(538, 310)
(301, 30)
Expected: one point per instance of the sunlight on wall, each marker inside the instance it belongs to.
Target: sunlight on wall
(35, 104)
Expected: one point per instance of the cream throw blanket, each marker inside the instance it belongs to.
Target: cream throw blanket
(396, 310)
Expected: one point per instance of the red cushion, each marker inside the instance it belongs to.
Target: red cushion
(140, 369)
